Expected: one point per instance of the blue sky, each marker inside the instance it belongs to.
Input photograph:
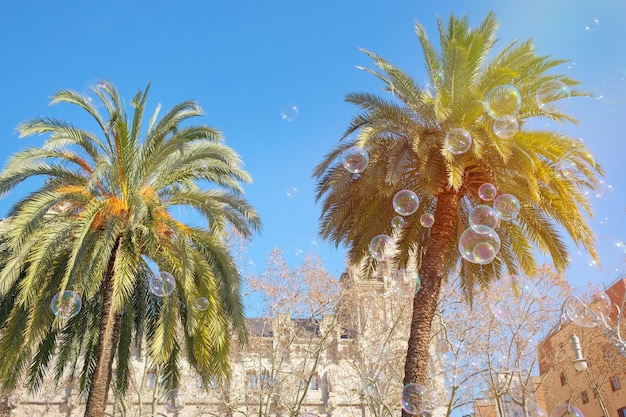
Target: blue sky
(244, 61)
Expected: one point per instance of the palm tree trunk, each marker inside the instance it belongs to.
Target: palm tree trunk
(107, 342)
(426, 299)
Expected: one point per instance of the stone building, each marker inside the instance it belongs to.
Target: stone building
(598, 389)
(345, 364)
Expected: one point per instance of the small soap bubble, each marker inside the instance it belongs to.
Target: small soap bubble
(397, 222)
(174, 401)
(355, 159)
(458, 141)
(307, 246)
(162, 285)
(291, 192)
(612, 88)
(551, 92)
(202, 303)
(507, 206)
(483, 215)
(503, 101)
(566, 168)
(487, 191)
(405, 202)
(592, 25)
(427, 220)
(405, 283)
(509, 297)
(289, 113)
(374, 384)
(479, 245)
(381, 247)
(506, 127)
(66, 305)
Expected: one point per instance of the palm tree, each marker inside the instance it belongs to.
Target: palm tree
(404, 134)
(102, 225)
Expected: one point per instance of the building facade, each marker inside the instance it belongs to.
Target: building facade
(600, 389)
(346, 364)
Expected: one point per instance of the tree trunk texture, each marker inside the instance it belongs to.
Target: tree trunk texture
(107, 343)
(426, 299)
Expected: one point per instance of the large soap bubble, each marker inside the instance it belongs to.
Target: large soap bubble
(381, 247)
(507, 206)
(506, 127)
(483, 215)
(458, 141)
(405, 283)
(503, 101)
(162, 285)
(405, 202)
(479, 245)
(66, 305)
(355, 159)
(566, 410)
(549, 93)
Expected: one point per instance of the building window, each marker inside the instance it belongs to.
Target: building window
(621, 412)
(615, 385)
(264, 380)
(313, 383)
(150, 378)
(584, 396)
(563, 378)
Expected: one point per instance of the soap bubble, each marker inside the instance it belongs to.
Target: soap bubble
(202, 303)
(575, 311)
(507, 206)
(162, 285)
(66, 305)
(174, 401)
(503, 101)
(397, 222)
(458, 141)
(427, 219)
(479, 245)
(566, 410)
(405, 202)
(413, 398)
(291, 192)
(509, 298)
(506, 127)
(248, 268)
(89, 92)
(611, 89)
(405, 283)
(355, 159)
(381, 247)
(566, 168)
(483, 215)
(375, 384)
(306, 246)
(551, 91)
(592, 25)
(487, 191)
(289, 112)
(612, 254)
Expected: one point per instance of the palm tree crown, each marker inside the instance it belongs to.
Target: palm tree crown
(99, 226)
(405, 136)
